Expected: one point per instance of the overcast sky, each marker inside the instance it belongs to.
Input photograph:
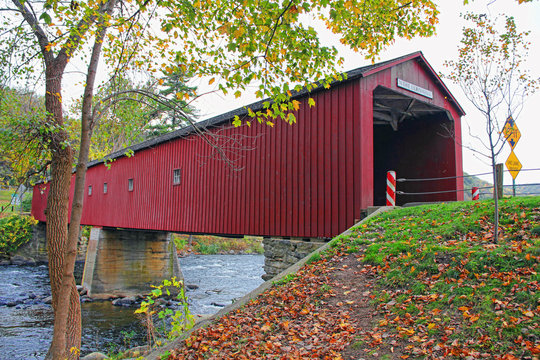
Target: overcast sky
(443, 46)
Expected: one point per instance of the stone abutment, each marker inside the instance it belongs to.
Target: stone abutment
(279, 254)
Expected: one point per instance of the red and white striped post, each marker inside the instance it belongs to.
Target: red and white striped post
(391, 188)
(475, 193)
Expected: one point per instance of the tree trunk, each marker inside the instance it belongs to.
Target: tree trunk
(67, 315)
(495, 187)
(68, 292)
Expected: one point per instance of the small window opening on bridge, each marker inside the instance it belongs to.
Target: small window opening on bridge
(177, 176)
(89, 190)
(130, 184)
(104, 188)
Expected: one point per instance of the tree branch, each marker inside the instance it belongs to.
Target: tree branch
(82, 27)
(40, 34)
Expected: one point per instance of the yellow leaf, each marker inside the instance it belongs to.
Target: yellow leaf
(291, 118)
(296, 104)
(238, 32)
(211, 81)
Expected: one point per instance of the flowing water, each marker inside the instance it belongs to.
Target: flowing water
(26, 320)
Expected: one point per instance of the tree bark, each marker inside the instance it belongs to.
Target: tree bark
(68, 295)
(67, 317)
(62, 238)
(495, 187)
(67, 280)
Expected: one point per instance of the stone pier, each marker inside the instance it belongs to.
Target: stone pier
(128, 262)
(279, 254)
(36, 248)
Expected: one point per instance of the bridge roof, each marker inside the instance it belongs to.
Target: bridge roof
(221, 119)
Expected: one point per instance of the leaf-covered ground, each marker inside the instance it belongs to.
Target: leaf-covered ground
(425, 282)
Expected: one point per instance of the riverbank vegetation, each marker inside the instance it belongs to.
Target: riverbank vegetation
(211, 245)
(15, 230)
(415, 283)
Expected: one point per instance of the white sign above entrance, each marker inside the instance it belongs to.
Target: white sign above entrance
(414, 88)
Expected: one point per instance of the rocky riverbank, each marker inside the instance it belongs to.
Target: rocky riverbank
(213, 281)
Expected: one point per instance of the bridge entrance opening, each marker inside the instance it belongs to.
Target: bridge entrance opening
(413, 138)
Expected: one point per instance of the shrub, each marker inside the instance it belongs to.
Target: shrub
(180, 320)
(26, 204)
(15, 230)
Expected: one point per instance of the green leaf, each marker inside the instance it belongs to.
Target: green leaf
(46, 18)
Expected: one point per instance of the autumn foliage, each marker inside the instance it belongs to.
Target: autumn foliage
(416, 283)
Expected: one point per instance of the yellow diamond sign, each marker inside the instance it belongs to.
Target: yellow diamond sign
(511, 132)
(513, 164)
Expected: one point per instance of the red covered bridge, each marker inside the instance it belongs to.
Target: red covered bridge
(312, 179)
(306, 181)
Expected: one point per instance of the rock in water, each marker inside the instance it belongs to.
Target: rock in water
(127, 301)
(95, 356)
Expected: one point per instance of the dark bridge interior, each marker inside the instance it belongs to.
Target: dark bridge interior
(414, 139)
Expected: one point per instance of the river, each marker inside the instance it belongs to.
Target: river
(26, 321)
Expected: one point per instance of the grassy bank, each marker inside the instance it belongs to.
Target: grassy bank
(417, 283)
(210, 245)
(8, 209)
(442, 284)
(5, 199)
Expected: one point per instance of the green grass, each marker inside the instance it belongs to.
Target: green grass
(5, 199)
(314, 258)
(440, 259)
(5, 195)
(286, 279)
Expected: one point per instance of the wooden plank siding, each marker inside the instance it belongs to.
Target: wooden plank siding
(310, 179)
